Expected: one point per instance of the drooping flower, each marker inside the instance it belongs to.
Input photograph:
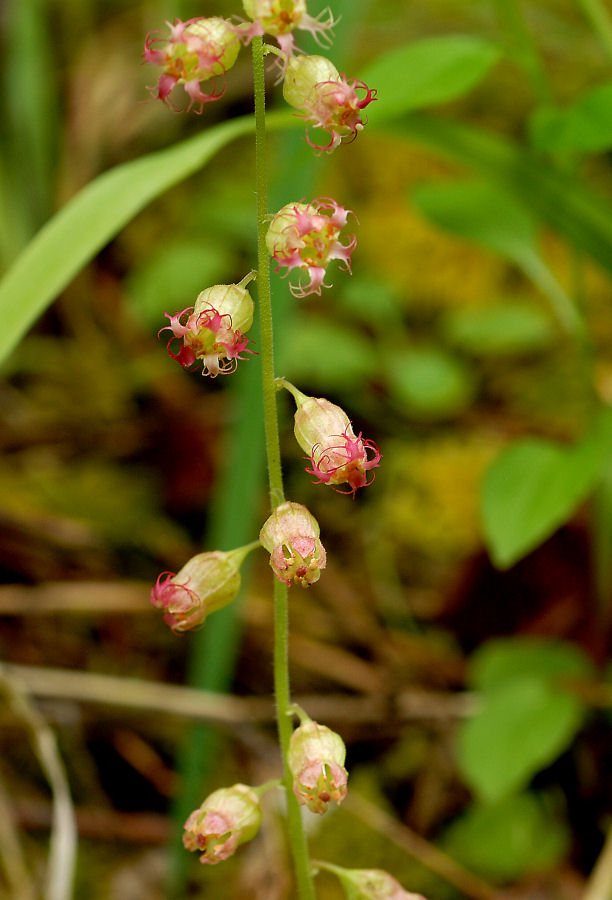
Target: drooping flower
(195, 51)
(213, 330)
(281, 17)
(291, 537)
(305, 236)
(337, 455)
(207, 582)
(369, 884)
(326, 99)
(316, 761)
(227, 818)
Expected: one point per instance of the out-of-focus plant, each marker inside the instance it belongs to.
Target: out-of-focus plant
(530, 713)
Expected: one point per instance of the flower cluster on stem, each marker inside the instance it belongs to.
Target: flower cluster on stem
(306, 236)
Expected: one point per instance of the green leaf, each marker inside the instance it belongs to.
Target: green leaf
(583, 127)
(427, 72)
(523, 726)
(480, 212)
(534, 486)
(507, 329)
(508, 839)
(505, 659)
(326, 355)
(428, 383)
(558, 198)
(491, 216)
(88, 221)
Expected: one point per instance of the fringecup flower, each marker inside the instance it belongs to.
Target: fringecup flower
(337, 455)
(316, 761)
(281, 17)
(213, 331)
(369, 884)
(305, 236)
(227, 818)
(207, 582)
(196, 51)
(291, 536)
(326, 99)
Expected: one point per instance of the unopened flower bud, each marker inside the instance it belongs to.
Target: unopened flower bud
(305, 236)
(195, 51)
(370, 884)
(316, 761)
(227, 818)
(291, 536)
(337, 455)
(326, 99)
(281, 17)
(207, 582)
(213, 331)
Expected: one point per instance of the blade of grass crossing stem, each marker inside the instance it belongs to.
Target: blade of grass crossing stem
(94, 216)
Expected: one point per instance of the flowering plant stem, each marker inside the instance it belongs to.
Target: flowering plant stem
(297, 837)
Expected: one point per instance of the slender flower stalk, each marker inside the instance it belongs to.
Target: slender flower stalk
(297, 838)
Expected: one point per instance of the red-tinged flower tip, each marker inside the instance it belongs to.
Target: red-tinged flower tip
(316, 761)
(305, 236)
(291, 536)
(227, 818)
(369, 884)
(337, 455)
(280, 18)
(213, 331)
(207, 582)
(195, 51)
(326, 99)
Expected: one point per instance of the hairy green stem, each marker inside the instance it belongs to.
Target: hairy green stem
(297, 837)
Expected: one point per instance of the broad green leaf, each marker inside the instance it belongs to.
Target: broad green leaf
(506, 329)
(583, 127)
(491, 216)
(506, 840)
(534, 486)
(503, 659)
(523, 726)
(429, 71)
(429, 383)
(88, 221)
(558, 198)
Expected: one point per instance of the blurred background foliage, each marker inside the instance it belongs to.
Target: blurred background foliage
(481, 718)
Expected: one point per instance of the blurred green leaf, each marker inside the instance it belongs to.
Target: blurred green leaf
(491, 216)
(427, 382)
(326, 355)
(508, 839)
(534, 486)
(170, 279)
(504, 659)
(427, 72)
(558, 198)
(481, 212)
(523, 726)
(506, 329)
(583, 127)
